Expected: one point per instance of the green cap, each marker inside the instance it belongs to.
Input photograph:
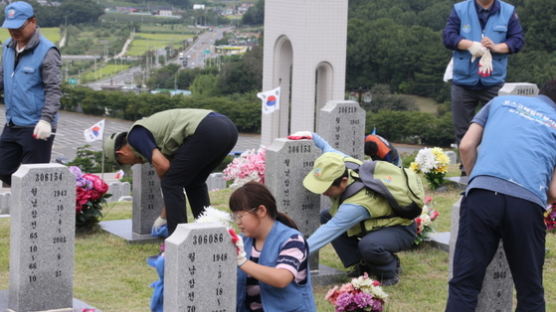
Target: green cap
(328, 167)
(109, 146)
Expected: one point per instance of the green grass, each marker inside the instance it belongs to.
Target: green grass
(144, 42)
(424, 104)
(104, 71)
(51, 33)
(167, 28)
(113, 276)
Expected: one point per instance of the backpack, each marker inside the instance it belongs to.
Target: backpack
(401, 187)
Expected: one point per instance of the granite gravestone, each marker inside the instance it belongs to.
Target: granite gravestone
(496, 292)
(5, 202)
(519, 88)
(342, 124)
(147, 198)
(200, 269)
(42, 238)
(287, 163)
(115, 189)
(147, 204)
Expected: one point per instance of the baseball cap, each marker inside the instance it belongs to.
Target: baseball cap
(16, 13)
(328, 167)
(109, 145)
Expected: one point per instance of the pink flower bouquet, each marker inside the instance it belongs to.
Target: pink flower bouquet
(359, 295)
(89, 197)
(249, 166)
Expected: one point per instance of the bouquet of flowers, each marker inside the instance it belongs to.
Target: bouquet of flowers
(249, 166)
(90, 195)
(424, 221)
(359, 295)
(433, 163)
(550, 218)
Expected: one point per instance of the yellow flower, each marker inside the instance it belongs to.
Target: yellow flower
(415, 167)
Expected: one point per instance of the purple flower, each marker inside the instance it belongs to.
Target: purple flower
(377, 305)
(76, 171)
(362, 300)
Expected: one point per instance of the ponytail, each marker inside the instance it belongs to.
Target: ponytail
(283, 218)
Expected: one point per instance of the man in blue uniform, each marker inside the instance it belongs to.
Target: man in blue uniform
(476, 28)
(30, 79)
(512, 178)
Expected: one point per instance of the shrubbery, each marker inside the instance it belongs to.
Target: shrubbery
(412, 127)
(243, 110)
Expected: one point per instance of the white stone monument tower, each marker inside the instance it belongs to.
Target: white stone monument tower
(305, 44)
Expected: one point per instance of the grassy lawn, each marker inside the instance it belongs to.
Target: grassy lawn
(113, 276)
(104, 71)
(144, 42)
(51, 33)
(426, 105)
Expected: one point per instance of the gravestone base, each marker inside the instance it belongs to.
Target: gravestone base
(440, 240)
(78, 305)
(327, 276)
(122, 229)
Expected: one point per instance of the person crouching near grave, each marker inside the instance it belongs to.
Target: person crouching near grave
(184, 146)
(273, 272)
(378, 148)
(362, 229)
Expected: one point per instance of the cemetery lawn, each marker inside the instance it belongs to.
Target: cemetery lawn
(113, 276)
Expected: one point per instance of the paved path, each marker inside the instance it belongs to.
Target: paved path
(71, 126)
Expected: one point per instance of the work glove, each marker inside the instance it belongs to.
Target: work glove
(157, 224)
(238, 241)
(477, 50)
(43, 130)
(485, 64)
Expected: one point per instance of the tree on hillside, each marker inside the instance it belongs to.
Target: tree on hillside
(243, 74)
(254, 15)
(80, 11)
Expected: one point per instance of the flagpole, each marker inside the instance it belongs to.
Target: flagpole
(102, 149)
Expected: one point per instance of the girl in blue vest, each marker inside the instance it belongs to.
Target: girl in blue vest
(273, 273)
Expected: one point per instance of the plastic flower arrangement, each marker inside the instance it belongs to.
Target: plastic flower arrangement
(433, 163)
(361, 294)
(424, 221)
(89, 198)
(550, 218)
(249, 166)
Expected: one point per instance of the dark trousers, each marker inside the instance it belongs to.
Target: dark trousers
(464, 104)
(190, 166)
(375, 249)
(17, 146)
(485, 218)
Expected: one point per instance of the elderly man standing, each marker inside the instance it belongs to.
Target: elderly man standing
(510, 155)
(481, 33)
(30, 75)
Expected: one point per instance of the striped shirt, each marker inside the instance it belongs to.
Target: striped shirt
(292, 257)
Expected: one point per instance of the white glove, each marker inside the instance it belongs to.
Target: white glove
(160, 221)
(238, 241)
(477, 50)
(43, 130)
(485, 64)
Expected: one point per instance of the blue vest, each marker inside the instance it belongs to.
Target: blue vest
(292, 298)
(23, 86)
(518, 143)
(465, 72)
